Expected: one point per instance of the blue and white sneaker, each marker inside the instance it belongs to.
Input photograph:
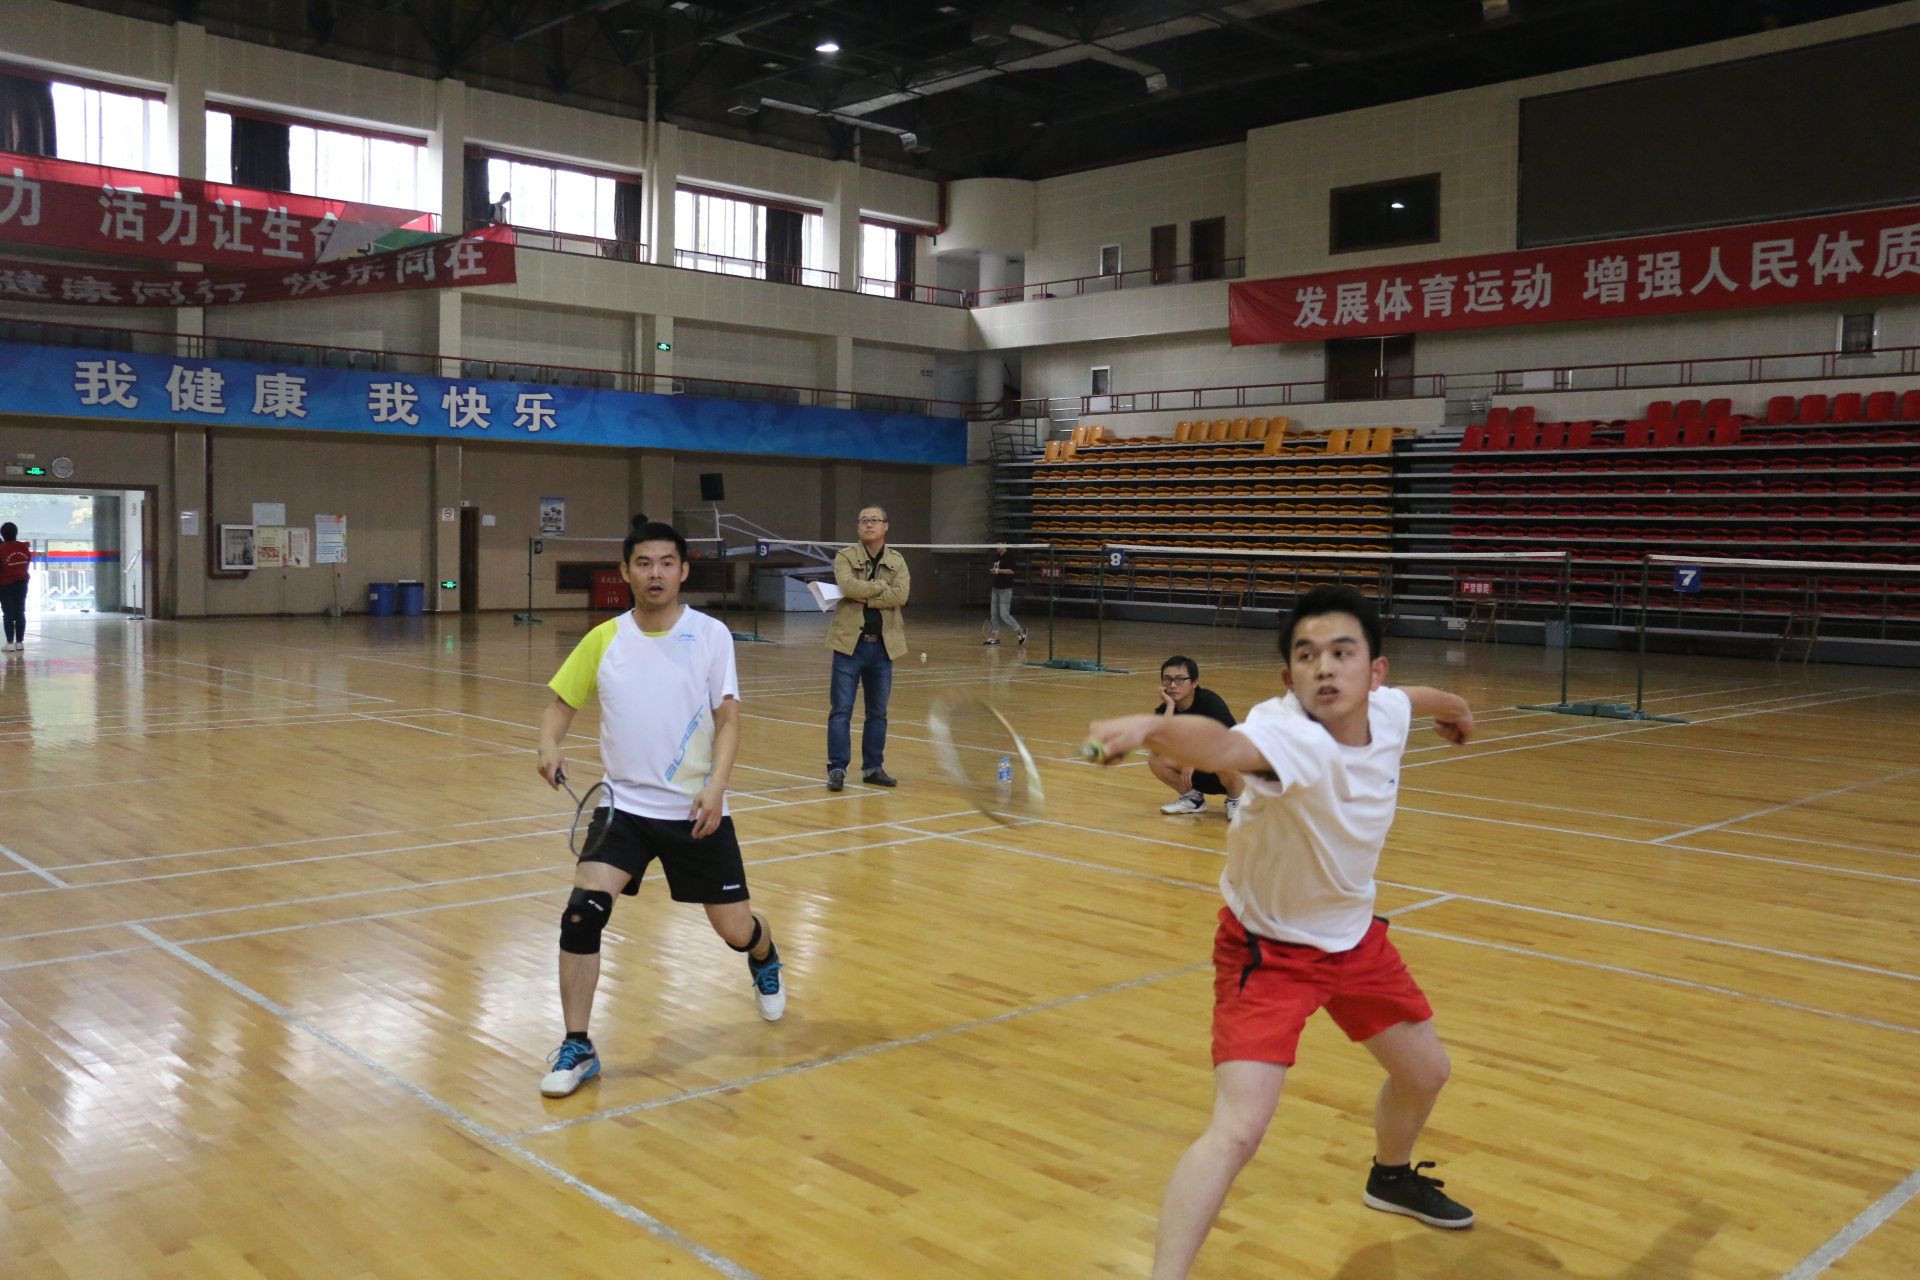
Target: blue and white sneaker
(768, 993)
(573, 1065)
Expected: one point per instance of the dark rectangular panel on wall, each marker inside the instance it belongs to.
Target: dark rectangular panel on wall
(1816, 130)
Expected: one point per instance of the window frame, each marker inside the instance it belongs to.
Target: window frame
(1119, 262)
(1333, 213)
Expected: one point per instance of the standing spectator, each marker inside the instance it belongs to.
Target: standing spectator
(15, 559)
(1002, 566)
(1181, 695)
(866, 635)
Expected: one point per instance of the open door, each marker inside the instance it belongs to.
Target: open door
(469, 559)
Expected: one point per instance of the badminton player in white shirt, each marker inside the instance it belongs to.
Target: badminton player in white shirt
(1298, 933)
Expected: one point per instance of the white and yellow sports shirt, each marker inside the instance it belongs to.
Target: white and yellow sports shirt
(657, 699)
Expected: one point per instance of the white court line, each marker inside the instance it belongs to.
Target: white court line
(862, 1052)
(44, 874)
(1671, 981)
(1430, 902)
(1871, 1218)
(1791, 804)
(646, 1221)
(1652, 844)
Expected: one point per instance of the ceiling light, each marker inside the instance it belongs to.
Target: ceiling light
(946, 8)
(913, 145)
(1396, 205)
(746, 104)
(771, 66)
(1157, 82)
(680, 5)
(826, 46)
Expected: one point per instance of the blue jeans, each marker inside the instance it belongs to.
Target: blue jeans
(868, 665)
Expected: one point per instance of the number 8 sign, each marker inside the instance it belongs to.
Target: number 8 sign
(1116, 559)
(1686, 578)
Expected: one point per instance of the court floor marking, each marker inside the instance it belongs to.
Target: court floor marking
(33, 868)
(1791, 804)
(1458, 897)
(639, 1217)
(1870, 1220)
(1688, 848)
(794, 1068)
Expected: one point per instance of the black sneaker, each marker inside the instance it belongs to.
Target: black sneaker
(1416, 1195)
(879, 778)
(836, 779)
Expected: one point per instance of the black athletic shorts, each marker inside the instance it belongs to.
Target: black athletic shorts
(706, 871)
(1208, 784)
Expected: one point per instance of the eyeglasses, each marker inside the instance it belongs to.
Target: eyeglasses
(1175, 679)
(871, 520)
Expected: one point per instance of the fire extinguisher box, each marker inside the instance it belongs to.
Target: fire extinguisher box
(610, 592)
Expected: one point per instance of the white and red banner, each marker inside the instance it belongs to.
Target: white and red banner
(1849, 255)
(69, 205)
(486, 257)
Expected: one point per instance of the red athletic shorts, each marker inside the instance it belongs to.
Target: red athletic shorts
(1264, 991)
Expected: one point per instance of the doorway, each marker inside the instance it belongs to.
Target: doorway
(1369, 368)
(469, 559)
(89, 548)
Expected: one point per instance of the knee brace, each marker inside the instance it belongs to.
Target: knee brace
(752, 942)
(580, 924)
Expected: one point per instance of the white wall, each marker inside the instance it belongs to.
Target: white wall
(495, 330)
(1077, 213)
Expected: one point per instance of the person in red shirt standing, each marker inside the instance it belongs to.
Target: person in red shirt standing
(15, 557)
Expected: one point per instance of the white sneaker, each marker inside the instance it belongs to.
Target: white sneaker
(769, 993)
(1233, 807)
(573, 1065)
(1191, 802)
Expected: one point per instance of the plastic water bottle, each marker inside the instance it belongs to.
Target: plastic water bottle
(1003, 779)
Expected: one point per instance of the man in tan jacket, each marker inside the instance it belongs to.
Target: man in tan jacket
(866, 635)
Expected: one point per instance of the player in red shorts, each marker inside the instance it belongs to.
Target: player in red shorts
(1298, 933)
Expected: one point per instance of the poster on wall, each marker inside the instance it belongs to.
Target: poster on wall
(329, 539)
(299, 547)
(269, 513)
(237, 547)
(553, 515)
(269, 547)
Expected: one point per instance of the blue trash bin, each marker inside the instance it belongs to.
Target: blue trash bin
(380, 599)
(413, 598)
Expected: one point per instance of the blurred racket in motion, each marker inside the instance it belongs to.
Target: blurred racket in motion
(595, 816)
(985, 759)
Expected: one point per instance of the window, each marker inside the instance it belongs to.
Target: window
(886, 260)
(1109, 259)
(549, 198)
(334, 164)
(729, 234)
(1100, 380)
(1208, 237)
(95, 126)
(1857, 333)
(1383, 215)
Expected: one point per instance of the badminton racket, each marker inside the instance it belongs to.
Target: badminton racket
(597, 817)
(984, 758)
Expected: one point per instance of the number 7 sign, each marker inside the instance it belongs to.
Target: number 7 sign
(1686, 578)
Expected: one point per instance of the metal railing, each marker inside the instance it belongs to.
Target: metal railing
(907, 291)
(755, 269)
(1144, 277)
(1711, 371)
(586, 246)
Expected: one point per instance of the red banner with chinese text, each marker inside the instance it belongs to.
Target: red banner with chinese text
(150, 215)
(1849, 255)
(452, 263)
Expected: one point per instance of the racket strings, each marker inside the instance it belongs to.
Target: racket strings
(579, 842)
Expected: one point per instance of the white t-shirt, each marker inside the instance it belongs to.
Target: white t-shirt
(657, 699)
(1303, 847)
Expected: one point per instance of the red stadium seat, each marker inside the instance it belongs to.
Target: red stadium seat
(1476, 437)
(1846, 407)
(1812, 409)
(1499, 434)
(1779, 410)
(1910, 406)
(1526, 434)
(1659, 411)
(1880, 406)
(1497, 416)
(1726, 431)
(1523, 414)
(1666, 434)
(1637, 434)
(1687, 410)
(1717, 409)
(1694, 431)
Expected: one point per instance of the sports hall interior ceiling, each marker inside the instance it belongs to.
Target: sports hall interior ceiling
(971, 88)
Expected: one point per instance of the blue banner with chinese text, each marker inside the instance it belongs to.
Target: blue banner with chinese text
(127, 386)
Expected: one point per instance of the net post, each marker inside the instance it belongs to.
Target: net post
(1100, 611)
(1566, 621)
(1640, 666)
(528, 615)
(1053, 593)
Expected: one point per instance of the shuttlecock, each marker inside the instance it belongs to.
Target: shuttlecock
(923, 657)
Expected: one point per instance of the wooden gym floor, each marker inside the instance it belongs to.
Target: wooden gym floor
(277, 937)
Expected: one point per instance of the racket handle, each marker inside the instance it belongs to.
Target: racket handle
(1093, 752)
